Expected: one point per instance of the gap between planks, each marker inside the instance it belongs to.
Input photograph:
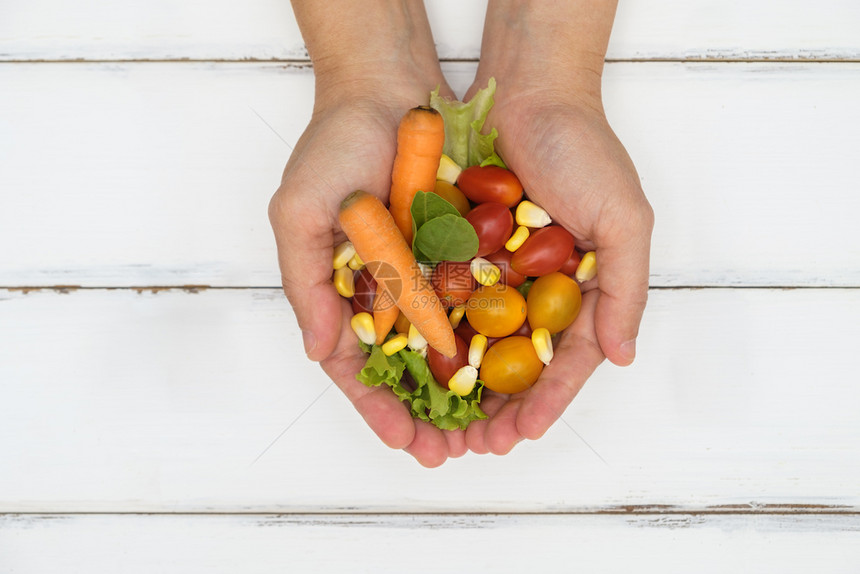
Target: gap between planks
(67, 289)
(307, 63)
(750, 509)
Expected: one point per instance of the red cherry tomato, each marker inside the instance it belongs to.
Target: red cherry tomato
(442, 367)
(365, 292)
(502, 260)
(545, 251)
(524, 331)
(453, 282)
(569, 267)
(493, 223)
(466, 331)
(490, 183)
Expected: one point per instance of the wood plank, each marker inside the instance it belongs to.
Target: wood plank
(741, 399)
(266, 29)
(368, 543)
(159, 174)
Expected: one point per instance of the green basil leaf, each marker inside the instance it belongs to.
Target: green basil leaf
(447, 238)
(428, 205)
(419, 256)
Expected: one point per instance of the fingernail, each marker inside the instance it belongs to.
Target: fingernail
(310, 341)
(628, 349)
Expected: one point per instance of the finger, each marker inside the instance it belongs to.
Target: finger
(622, 273)
(577, 354)
(378, 406)
(476, 434)
(476, 431)
(456, 443)
(429, 446)
(305, 244)
(502, 433)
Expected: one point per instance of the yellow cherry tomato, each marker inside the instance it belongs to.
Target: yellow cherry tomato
(496, 310)
(553, 302)
(453, 196)
(510, 365)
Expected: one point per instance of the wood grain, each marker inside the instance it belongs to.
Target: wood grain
(372, 543)
(159, 174)
(266, 29)
(114, 401)
(733, 444)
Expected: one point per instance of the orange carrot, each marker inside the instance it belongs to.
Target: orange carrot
(381, 246)
(385, 313)
(420, 138)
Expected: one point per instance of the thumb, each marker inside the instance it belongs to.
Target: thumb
(305, 243)
(622, 276)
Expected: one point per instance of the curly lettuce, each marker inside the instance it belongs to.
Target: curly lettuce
(464, 142)
(429, 401)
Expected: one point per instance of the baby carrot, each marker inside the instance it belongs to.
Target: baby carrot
(380, 245)
(420, 139)
(385, 313)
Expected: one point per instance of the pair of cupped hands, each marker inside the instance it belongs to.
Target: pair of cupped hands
(569, 161)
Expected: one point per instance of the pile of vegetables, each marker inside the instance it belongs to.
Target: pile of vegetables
(461, 283)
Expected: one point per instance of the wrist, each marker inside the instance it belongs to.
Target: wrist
(400, 85)
(555, 49)
(381, 49)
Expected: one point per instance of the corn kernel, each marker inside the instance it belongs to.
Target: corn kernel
(344, 281)
(394, 344)
(448, 170)
(477, 348)
(485, 272)
(415, 340)
(542, 342)
(456, 316)
(362, 324)
(463, 380)
(530, 215)
(517, 239)
(342, 254)
(587, 268)
(356, 264)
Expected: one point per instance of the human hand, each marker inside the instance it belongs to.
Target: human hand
(350, 144)
(554, 135)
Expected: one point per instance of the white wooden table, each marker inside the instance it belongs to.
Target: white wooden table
(147, 356)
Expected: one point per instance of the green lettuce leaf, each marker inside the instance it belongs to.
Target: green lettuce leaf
(434, 403)
(429, 401)
(464, 142)
(380, 368)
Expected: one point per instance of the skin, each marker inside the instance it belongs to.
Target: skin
(364, 85)
(547, 58)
